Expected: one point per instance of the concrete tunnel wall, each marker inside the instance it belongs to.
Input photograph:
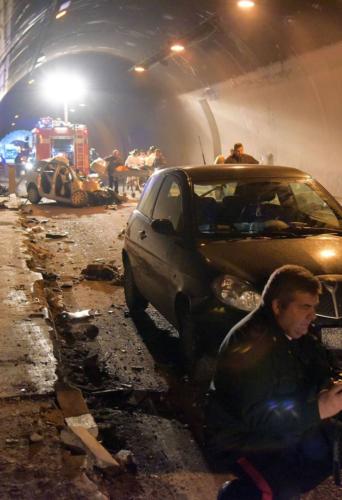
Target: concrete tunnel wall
(287, 114)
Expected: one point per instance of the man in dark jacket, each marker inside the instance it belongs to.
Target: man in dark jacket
(272, 394)
(238, 156)
(113, 161)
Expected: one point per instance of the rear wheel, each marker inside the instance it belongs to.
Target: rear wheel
(33, 194)
(134, 300)
(79, 199)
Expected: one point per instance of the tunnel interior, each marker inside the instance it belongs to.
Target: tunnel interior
(270, 78)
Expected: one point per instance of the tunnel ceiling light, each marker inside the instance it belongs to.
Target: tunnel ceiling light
(61, 14)
(139, 69)
(30, 82)
(13, 124)
(16, 116)
(177, 48)
(246, 4)
(64, 87)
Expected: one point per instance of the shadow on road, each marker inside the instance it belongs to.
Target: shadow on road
(163, 346)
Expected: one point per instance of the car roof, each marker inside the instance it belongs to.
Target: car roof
(207, 172)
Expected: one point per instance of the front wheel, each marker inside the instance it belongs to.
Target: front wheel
(33, 194)
(134, 300)
(79, 199)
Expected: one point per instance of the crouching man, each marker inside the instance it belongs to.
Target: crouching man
(272, 398)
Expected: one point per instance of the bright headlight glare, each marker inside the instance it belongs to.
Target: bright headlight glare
(236, 293)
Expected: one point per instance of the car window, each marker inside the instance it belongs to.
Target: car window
(169, 203)
(259, 206)
(149, 195)
(312, 205)
(216, 190)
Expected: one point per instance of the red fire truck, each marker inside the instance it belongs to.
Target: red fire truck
(55, 137)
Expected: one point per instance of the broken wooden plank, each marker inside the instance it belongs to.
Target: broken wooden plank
(103, 458)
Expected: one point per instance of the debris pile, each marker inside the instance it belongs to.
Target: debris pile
(103, 272)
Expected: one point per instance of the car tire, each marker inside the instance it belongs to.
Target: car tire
(79, 199)
(33, 194)
(135, 301)
(189, 339)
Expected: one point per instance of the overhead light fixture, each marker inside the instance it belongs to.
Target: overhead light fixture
(31, 81)
(13, 124)
(64, 87)
(16, 116)
(246, 4)
(177, 47)
(139, 69)
(61, 14)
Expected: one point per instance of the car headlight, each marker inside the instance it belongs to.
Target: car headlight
(236, 293)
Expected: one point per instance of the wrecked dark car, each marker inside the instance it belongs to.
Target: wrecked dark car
(203, 241)
(54, 179)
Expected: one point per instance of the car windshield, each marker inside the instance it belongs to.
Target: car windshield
(265, 208)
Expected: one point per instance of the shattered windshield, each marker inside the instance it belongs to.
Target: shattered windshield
(281, 208)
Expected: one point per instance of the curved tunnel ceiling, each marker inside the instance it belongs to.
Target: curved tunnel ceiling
(223, 41)
(104, 39)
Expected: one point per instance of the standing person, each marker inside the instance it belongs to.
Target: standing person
(239, 156)
(219, 160)
(150, 156)
(113, 161)
(159, 159)
(272, 395)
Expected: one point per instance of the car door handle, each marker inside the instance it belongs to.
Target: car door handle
(142, 234)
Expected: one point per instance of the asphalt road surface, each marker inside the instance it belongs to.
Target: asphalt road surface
(128, 371)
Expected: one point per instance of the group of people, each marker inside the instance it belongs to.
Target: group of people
(274, 401)
(237, 155)
(138, 159)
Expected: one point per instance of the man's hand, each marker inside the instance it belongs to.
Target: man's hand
(330, 401)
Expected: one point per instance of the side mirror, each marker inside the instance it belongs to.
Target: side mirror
(162, 226)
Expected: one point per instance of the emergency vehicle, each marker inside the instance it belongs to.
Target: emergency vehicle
(51, 138)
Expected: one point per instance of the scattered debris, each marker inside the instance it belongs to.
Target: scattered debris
(36, 438)
(55, 299)
(121, 234)
(67, 284)
(56, 236)
(70, 400)
(85, 313)
(71, 441)
(126, 459)
(54, 417)
(49, 276)
(99, 271)
(103, 458)
(86, 421)
(84, 484)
